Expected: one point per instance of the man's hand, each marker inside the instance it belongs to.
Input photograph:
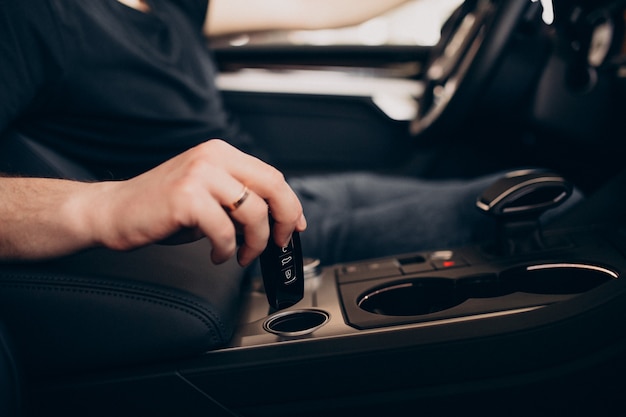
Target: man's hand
(192, 190)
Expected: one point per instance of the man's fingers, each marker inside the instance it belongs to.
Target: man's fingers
(252, 218)
(220, 188)
(219, 229)
(270, 185)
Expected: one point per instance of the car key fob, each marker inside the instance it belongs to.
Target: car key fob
(283, 276)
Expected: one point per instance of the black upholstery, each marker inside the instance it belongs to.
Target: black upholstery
(10, 384)
(101, 308)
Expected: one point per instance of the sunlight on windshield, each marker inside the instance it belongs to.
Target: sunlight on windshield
(416, 23)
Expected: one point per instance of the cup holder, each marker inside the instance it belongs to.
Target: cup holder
(556, 278)
(428, 295)
(296, 323)
(411, 298)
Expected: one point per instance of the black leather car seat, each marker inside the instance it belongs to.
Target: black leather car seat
(101, 308)
(10, 384)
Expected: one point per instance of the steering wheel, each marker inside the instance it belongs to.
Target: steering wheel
(473, 43)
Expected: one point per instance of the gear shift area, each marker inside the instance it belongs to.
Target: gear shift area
(516, 202)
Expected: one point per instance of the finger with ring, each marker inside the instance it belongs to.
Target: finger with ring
(243, 196)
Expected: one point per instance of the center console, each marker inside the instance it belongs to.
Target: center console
(534, 329)
(451, 329)
(415, 328)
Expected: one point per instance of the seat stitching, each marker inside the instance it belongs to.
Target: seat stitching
(202, 318)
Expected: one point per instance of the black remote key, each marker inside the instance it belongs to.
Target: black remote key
(283, 274)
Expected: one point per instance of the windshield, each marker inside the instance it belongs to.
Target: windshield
(418, 22)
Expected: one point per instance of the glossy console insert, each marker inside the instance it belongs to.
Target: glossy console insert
(447, 285)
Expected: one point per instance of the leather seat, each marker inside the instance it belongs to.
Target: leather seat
(10, 384)
(100, 308)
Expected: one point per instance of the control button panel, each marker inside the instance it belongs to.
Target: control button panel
(405, 265)
(369, 270)
(446, 259)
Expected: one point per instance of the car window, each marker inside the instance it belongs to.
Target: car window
(418, 22)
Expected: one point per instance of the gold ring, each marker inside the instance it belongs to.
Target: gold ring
(240, 200)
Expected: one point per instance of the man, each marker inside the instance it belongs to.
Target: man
(126, 88)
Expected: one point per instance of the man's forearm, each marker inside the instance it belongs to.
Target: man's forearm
(41, 218)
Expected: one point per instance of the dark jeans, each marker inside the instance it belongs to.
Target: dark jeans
(360, 215)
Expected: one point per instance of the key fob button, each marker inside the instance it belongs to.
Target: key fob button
(286, 260)
(289, 276)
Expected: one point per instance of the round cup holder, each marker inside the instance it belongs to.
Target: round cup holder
(294, 323)
(556, 278)
(428, 295)
(411, 298)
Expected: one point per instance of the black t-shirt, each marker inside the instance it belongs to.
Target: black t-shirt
(111, 87)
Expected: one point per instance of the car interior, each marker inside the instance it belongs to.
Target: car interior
(526, 322)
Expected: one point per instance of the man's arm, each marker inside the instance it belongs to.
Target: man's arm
(42, 218)
(236, 16)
